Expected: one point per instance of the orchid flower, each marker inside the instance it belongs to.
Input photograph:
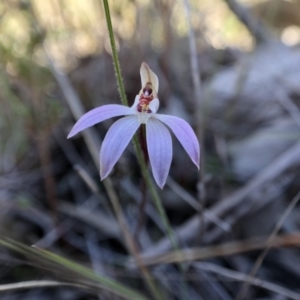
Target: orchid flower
(143, 111)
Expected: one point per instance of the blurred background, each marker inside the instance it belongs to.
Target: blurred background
(56, 64)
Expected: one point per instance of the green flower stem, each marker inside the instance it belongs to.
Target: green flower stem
(145, 172)
(137, 146)
(115, 54)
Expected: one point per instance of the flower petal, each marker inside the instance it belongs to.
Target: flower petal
(159, 144)
(185, 135)
(147, 75)
(98, 115)
(115, 142)
(154, 105)
(135, 104)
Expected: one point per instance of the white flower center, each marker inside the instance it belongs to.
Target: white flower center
(143, 117)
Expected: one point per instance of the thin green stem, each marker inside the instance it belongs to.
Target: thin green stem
(145, 172)
(156, 292)
(115, 54)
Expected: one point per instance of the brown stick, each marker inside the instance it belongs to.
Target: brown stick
(269, 242)
(289, 240)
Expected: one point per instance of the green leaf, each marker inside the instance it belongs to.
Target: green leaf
(106, 283)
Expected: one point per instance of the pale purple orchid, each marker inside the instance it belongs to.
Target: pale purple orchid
(143, 111)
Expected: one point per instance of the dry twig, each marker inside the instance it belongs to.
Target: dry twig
(231, 248)
(234, 275)
(269, 242)
(199, 117)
